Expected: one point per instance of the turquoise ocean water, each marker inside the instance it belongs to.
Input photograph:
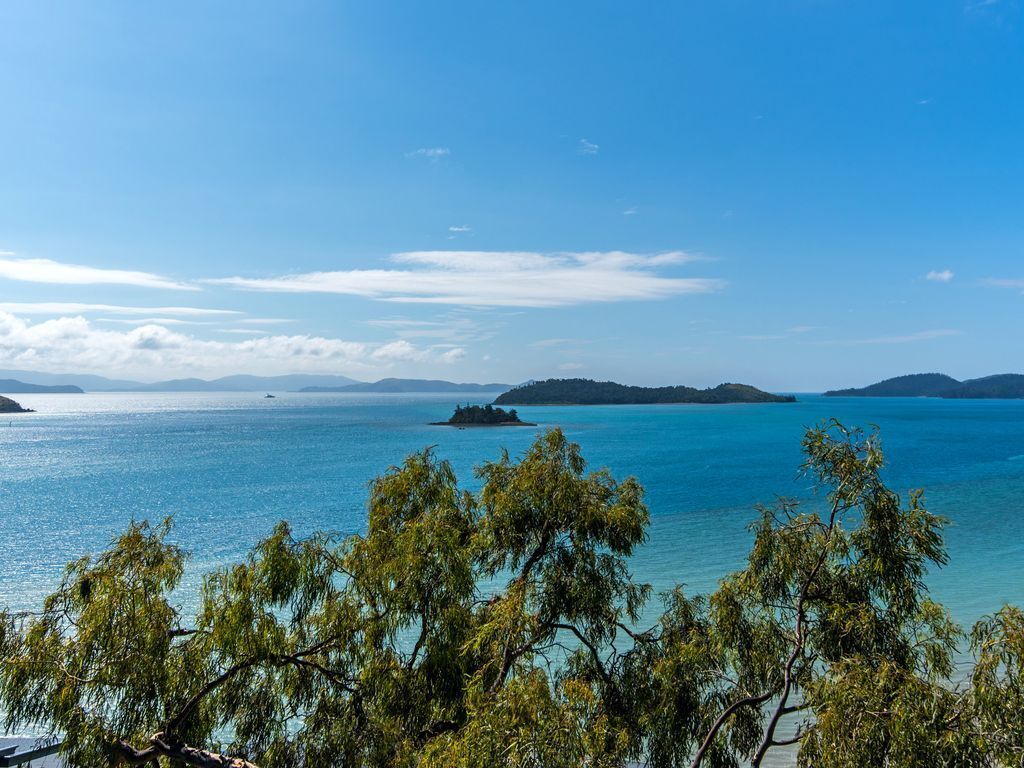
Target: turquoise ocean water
(227, 466)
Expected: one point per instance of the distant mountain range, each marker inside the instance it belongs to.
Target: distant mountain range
(245, 383)
(1003, 386)
(15, 387)
(237, 383)
(17, 381)
(588, 392)
(411, 385)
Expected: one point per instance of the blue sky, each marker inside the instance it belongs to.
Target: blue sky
(798, 195)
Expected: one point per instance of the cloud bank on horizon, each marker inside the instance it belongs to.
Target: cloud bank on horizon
(76, 345)
(473, 279)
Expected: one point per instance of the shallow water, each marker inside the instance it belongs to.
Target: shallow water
(227, 466)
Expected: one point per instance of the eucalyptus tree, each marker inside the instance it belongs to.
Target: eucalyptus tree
(376, 650)
(499, 628)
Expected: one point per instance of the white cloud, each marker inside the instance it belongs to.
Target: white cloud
(398, 350)
(266, 320)
(75, 344)
(587, 147)
(500, 278)
(907, 339)
(461, 228)
(430, 153)
(939, 276)
(453, 355)
(54, 272)
(67, 308)
(631, 211)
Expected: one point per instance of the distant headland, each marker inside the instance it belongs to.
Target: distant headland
(1003, 386)
(589, 392)
(483, 416)
(9, 406)
(411, 386)
(15, 387)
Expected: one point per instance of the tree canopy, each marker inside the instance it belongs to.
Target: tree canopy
(500, 628)
(473, 415)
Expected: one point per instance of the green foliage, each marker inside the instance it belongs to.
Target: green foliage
(483, 414)
(498, 628)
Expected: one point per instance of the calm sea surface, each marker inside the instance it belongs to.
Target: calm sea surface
(227, 466)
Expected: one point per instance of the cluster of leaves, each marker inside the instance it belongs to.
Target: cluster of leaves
(500, 629)
(483, 414)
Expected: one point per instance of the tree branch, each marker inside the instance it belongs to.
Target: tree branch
(161, 745)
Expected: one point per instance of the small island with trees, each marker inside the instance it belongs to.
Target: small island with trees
(9, 406)
(589, 392)
(483, 416)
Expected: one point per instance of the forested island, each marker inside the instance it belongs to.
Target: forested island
(1003, 386)
(589, 392)
(483, 416)
(9, 406)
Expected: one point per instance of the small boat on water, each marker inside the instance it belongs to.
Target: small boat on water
(269, 395)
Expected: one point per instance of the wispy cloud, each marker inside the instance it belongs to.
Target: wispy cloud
(1015, 283)
(631, 211)
(909, 338)
(939, 276)
(430, 153)
(548, 343)
(70, 308)
(266, 321)
(978, 5)
(57, 273)
(587, 147)
(151, 321)
(76, 344)
(501, 278)
(451, 327)
(462, 228)
(787, 334)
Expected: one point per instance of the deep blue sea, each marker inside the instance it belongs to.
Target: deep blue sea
(227, 466)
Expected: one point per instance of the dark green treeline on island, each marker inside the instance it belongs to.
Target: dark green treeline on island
(589, 392)
(483, 416)
(9, 406)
